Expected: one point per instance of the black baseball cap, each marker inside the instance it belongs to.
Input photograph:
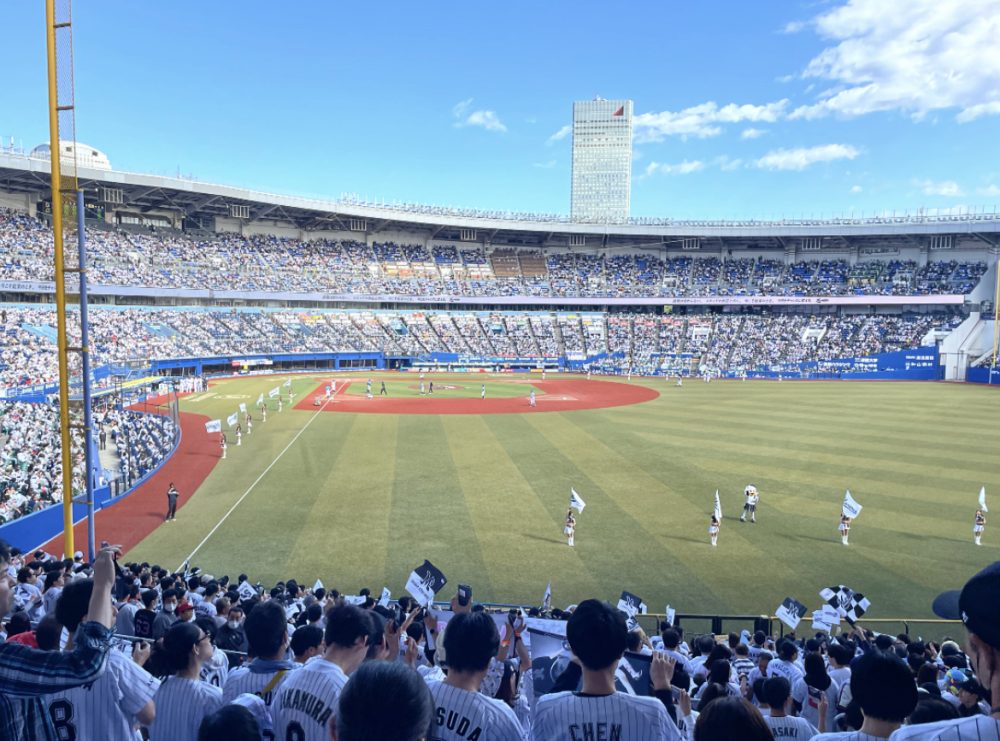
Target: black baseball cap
(977, 605)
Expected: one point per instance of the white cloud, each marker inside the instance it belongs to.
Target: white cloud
(989, 190)
(802, 157)
(794, 26)
(944, 188)
(702, 121)
(752, 133)
(856, 188)
(682, 168)
(724, 163)
(980, 109)
(482, 118)
(547, 165)
(560, 135)
(914, 56)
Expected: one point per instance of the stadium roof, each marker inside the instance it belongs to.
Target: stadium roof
(192, 199)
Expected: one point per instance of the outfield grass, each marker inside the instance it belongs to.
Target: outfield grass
(360, 499)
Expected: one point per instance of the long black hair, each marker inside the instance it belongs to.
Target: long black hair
(816, 675)
(178, 641)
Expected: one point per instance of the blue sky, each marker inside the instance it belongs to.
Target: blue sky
(742, 109)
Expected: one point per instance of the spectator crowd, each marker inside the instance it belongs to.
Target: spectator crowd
(169, 259)
(31, 461)
(192, 656)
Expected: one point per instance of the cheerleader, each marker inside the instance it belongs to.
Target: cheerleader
(570, 528)
(845, 528)
(239, 435)
(249, 424)
(713, 530)
(222, 442)
(979, 526)
(750, 506)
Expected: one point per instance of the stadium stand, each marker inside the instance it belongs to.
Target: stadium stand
(270, 263)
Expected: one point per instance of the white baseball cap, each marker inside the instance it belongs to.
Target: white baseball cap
(78, 556)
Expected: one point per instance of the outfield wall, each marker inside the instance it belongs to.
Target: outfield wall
(987, 375)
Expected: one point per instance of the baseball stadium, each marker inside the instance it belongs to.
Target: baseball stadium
(719, 419)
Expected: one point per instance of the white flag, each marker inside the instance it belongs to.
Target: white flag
(547, 597)
(318, 585)
(575, 501)
(386, 595)
(276, 391)
(671, 614)
(851, 508)
(288, 382)
(246, 590)
(718, 506)
(260, 400)
(214, 426)
(232, 419)
(243, 407)
(982, 499)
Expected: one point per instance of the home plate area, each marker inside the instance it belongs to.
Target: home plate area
(556, 395)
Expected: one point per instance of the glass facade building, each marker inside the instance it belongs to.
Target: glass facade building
(602, 160)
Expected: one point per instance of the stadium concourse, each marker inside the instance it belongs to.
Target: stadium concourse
(192, 655)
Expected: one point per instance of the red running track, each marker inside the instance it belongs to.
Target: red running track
(133, 518)
(560, 395)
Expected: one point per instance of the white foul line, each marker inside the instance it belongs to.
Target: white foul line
(251, 488)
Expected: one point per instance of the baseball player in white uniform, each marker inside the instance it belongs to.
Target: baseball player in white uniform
(108, 707)
(750, 505)
(460, 711)
(302, 708)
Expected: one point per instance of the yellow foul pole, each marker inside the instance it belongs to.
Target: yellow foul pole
(996, 316)
(57, 234)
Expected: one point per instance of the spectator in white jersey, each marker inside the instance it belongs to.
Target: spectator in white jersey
(307, 641)
(384, 700)
(977, 605)
(810, 691)
(306, 701)
(883, 687)
(106, 708)
(777, 694)
(471, 641)
(267, 639)
(215, 671)
(597, 635)
(183, 699)
(786, 665)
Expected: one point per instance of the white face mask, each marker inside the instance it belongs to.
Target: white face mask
(233, 624)
(169, 607)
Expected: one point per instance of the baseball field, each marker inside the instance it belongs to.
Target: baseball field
(359, 491)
